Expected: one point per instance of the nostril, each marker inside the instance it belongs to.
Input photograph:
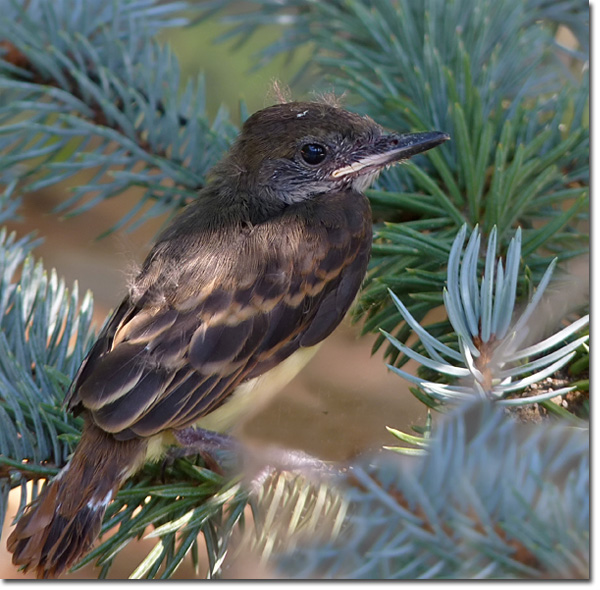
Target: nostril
(394, 142)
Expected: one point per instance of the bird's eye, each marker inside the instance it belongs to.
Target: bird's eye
(313, 153)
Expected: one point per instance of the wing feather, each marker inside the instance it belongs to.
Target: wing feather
(179, 345)
(214, 348)
(117, 374)
(120, 414)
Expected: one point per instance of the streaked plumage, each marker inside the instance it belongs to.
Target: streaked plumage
(170, 356)
(264, 264)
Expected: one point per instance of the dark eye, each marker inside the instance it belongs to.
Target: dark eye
(313, 153)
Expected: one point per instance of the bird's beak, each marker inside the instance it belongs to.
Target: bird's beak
(389, 149)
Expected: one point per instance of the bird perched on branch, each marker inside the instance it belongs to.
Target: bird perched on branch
(228, 305)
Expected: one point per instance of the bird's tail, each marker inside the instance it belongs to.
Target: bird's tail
(60, 526)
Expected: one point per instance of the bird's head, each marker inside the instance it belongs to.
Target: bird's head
(293, 151)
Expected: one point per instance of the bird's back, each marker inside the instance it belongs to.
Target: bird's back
(198, 325)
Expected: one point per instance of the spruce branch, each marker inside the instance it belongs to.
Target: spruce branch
(86, 87)
(290, 509)
(491, 498)
(490, 355)
(45, 331)
(404, 50)
(177, 506)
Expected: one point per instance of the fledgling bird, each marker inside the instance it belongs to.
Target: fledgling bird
(227, 307)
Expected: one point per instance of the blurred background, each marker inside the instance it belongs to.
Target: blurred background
(339, 405)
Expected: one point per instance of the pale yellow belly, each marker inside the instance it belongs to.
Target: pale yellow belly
(247, 399)
(251, 396)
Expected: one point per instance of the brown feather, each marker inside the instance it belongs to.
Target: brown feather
(266, 261)
(170, 356)
(300, 292)
(61, 525)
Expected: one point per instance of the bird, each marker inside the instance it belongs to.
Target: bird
(235, 295)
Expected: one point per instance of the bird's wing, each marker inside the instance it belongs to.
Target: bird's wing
(164, 363)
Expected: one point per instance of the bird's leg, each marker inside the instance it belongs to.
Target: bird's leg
(197, 441)
(262, 461)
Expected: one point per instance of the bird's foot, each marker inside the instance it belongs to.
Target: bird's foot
(261, 461)
(197, 441)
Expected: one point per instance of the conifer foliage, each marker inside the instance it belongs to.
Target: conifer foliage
(478, 225)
